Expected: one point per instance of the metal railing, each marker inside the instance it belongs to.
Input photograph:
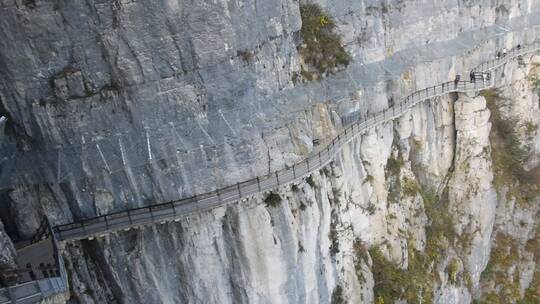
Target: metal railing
(164, 212)
(511, 54)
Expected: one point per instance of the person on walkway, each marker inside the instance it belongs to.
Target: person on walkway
(484, 77)
(504, 52)
(518, 46)
(456, 81)
(498, 55)
(471, 76)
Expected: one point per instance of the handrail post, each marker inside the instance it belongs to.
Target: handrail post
(258, 184)
(277, 178)
(218, 196)
(307, 163)
(151, 213)
(83, 228)
(173, 209)
(239, 192)
(130, 219)
(294, 171)
(196, 201)
(320, 159)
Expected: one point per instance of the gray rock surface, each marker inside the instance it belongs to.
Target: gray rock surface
(117, 104)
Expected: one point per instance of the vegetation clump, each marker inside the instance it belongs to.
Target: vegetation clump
(272, 200)
(336, 195)
(410, 187)
(453, 269)
(534, 82)
(504, 255)
(532, 293)
(333, 236)
(337, 295)
(392, 283)
(361, 256)
(393, 166)
(509, 155)
(321, 47)
(310, 181)
(416, 283)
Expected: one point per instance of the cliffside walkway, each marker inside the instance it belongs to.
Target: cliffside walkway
(44, 283)
(40, 275)
(174, 210)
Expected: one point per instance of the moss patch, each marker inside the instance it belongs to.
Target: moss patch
(321, 47)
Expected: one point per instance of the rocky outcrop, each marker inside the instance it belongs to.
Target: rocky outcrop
(7, 250)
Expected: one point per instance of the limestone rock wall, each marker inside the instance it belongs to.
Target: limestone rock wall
(91, 78)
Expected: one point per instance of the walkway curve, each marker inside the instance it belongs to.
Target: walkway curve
(174, 210)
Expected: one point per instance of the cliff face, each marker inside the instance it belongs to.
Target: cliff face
(130, 103)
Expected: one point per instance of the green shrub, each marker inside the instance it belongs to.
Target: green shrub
(321, 47)
(393, 166)
(534, 81)
(333, 236)
(272, 200)
(361, 256)
(337, 295)
(310, 181)
(532, 293)
(371, 209)
(368, 179)
(325, 171)
(530, 128)
(410, 187)
(453, 269)
(414, 284)
(336, 195)
(307, 75)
